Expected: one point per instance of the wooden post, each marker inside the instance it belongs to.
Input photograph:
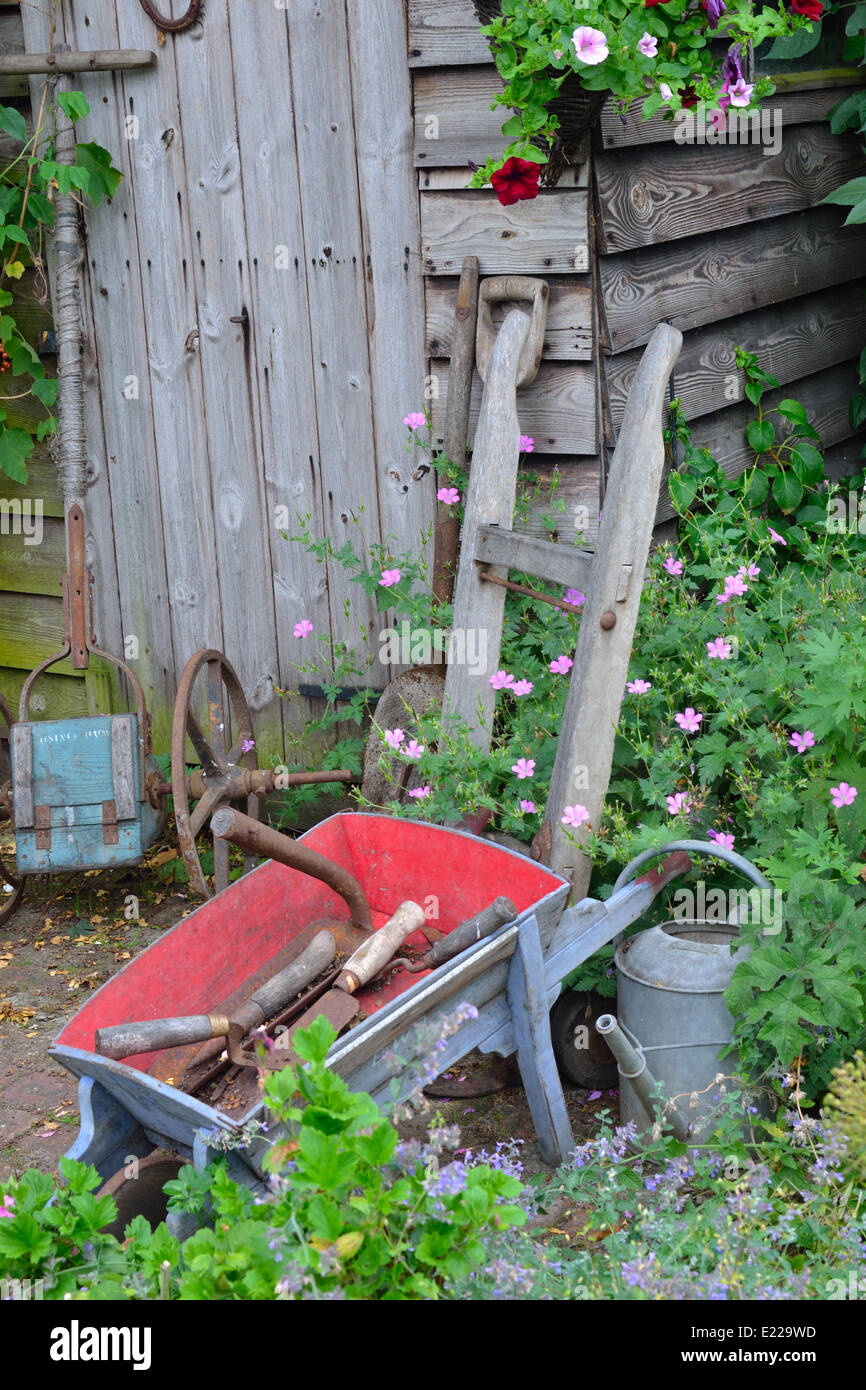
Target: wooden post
(584, 755)
(456, 422)
(489, 500)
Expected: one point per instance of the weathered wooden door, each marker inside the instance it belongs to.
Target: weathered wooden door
(255, 331)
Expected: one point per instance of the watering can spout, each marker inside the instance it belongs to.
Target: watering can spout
(632, 1064)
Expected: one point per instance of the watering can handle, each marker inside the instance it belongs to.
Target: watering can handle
(703, 847)
(673, 867)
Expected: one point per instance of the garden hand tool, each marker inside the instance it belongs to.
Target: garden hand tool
(339, 1005)
(476, 928)
(130, 1039)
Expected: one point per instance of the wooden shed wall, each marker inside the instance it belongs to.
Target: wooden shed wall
(727, 242)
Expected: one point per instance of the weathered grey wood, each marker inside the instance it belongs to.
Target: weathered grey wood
(725, 273)
(557, 563)
(443, 32)
(97, 60)
(567, 334)
(792, 340)
(585, 750)
(643, 194)
(557, 410)
(209, 90)
(123, 767)
(22, 776)
(102, 557)
(382, 118)
(279, 311)
(454, 122)
(336, 275)
(469, 697)
(794, 108)
(457, 176)
(825, 397)
(547, 234)
(33, 569)
(573, 507)
(529, 1011)
(844, 458)
(464, 321)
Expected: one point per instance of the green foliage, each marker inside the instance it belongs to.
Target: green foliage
(28, 188)
(534, 51)
(850, 114)
(348, 1213)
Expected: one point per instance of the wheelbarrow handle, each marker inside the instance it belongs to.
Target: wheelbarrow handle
(256, 838)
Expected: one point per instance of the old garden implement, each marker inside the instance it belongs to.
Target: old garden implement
(219, 958)
(86, 793)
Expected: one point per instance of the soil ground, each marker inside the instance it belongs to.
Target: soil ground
(71, 933)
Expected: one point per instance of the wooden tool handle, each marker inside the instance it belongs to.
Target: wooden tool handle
(375, 952)
(129, 1039)
(483, 924)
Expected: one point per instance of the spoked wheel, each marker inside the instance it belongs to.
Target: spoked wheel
(11, 884)
(216, 750)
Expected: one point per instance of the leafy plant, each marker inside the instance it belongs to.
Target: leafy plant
(28, 188)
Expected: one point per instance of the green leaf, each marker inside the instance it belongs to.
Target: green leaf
(13, 123)
(103, 178)
(754, 391)
(16, 446)
(683, 490)
(848, 193)
(75, 104)
(857, 214)
(45, 389)
(756, 489)
(795, 45)
(761, 435)
(793, 410)
(787, 491)
(808, 464)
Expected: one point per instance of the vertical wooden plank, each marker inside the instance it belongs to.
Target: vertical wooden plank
(164, 249)
(279, 326)
(527, 999)
(335, 259)
(388, 188)
(36, 18)
(119, 400)
(220, 275)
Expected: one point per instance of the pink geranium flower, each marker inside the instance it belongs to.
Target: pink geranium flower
(673, 566)
(679, 804)
(6, 1206)
(639, 687)
(413, 749)
(527, 806)
(726, 841)
(527, 443)
(802, 741)
(843, 795)
(719, 649)
(449, 495)
(575, 816)
(522, 687)
(689, 720)
(420, 792)
(501, 680)
(748, 571)
(303, 627)
(415, 419)
(389, 577)
(524, 767)
(774, 536)
(394, 737)
(575, 596)
(560, 665)
(247, 745)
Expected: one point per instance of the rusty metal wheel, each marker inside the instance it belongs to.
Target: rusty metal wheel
(210, 684)
(11, 884)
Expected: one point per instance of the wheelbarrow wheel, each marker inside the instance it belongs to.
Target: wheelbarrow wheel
(583, 1057)
(209, 689)
(11, 884)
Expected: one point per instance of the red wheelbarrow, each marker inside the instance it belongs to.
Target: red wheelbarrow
(216, 958)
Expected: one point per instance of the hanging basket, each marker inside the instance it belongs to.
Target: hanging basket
(576, 108)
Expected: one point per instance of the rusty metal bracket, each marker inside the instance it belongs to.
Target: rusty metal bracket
(522, 289)
(42, 821)
(110, 828)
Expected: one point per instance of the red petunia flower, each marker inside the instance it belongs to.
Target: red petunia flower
(689, 97)
(812, 9)
(518, 178)
(651, 3)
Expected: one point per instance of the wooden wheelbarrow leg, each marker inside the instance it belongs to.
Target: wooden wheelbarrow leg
(527, 999)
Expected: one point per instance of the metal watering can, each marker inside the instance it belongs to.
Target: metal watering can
(670, 985)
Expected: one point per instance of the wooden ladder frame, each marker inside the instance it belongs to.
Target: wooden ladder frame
(611, 577)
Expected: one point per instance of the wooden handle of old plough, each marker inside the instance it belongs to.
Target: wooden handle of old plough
(129, 1039)
(377, 950)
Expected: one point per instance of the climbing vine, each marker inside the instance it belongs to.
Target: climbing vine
(29, 186)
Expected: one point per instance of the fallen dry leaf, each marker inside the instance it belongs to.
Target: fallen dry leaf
(163, 857)
(59, 940)
(37, 945)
